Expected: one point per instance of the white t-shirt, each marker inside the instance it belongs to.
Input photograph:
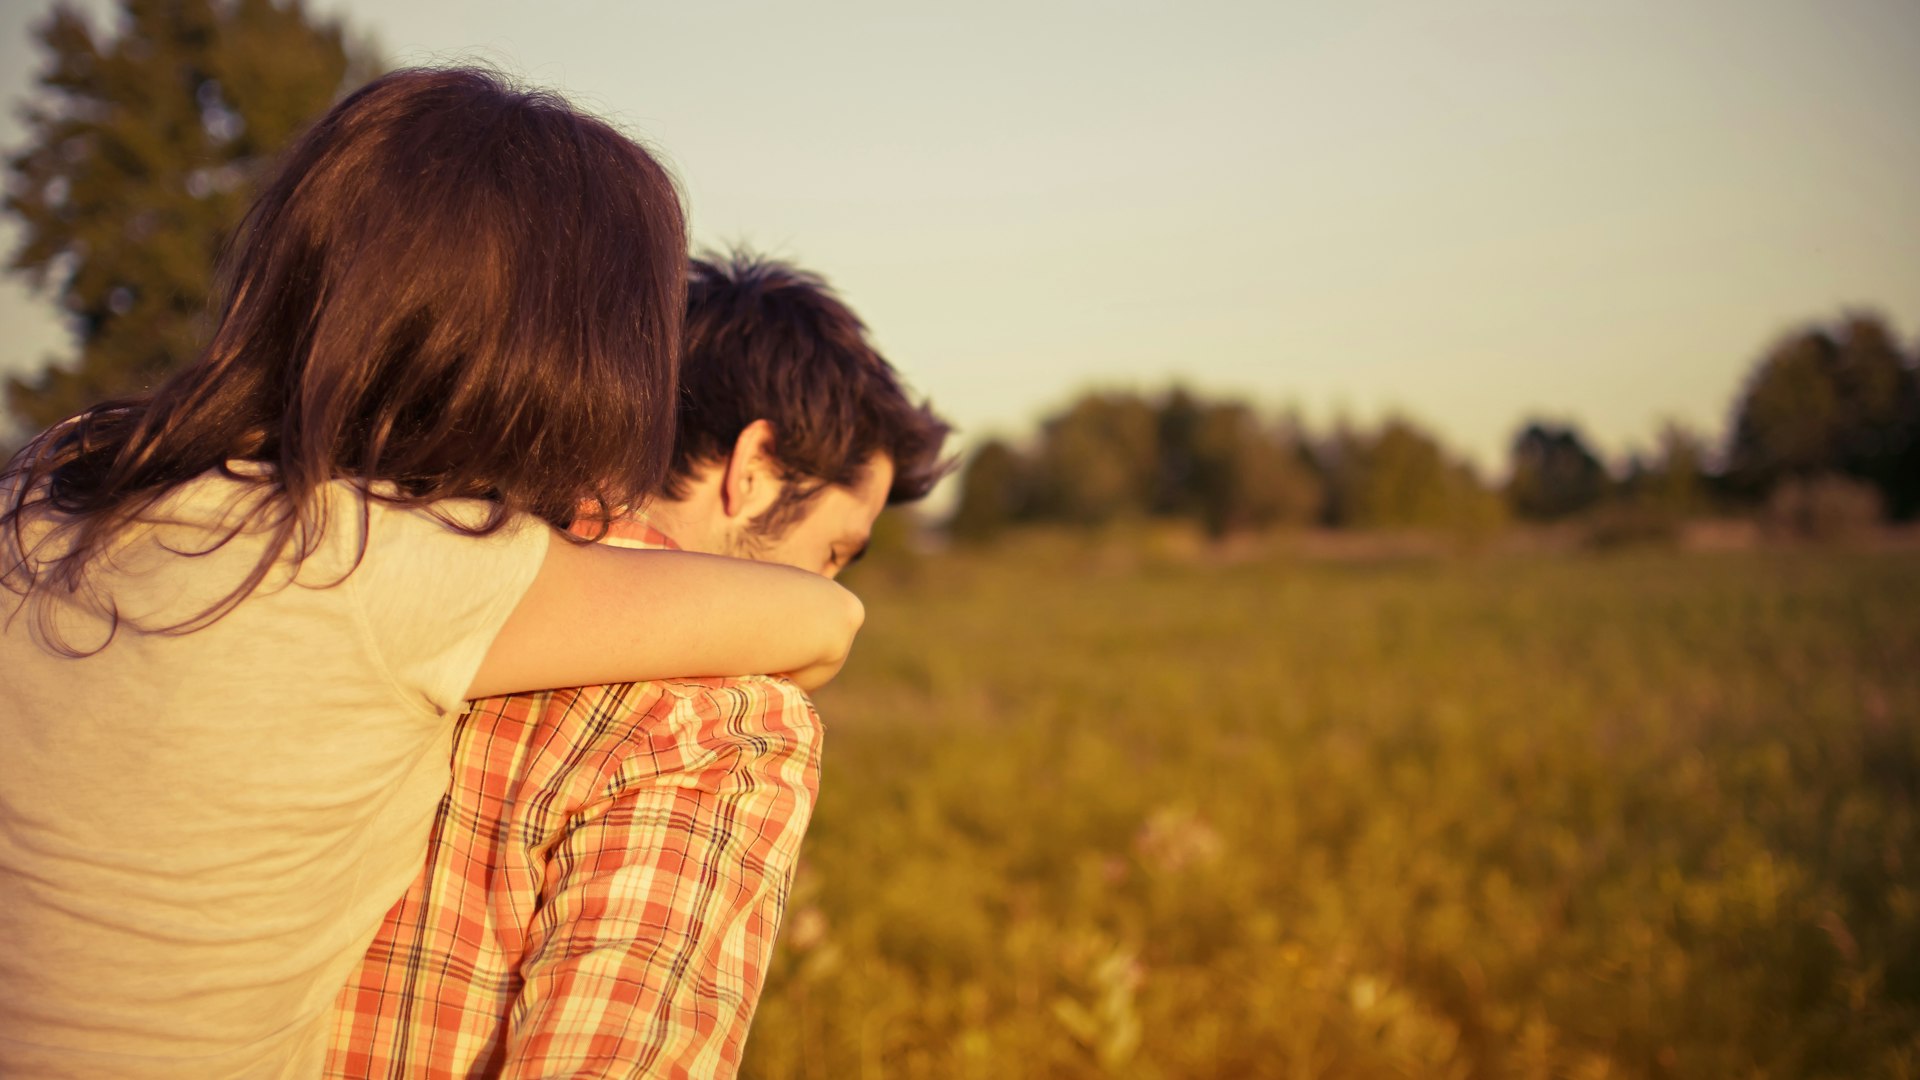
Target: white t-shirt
(201, 832)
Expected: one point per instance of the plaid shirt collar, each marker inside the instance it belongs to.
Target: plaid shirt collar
(633, 528)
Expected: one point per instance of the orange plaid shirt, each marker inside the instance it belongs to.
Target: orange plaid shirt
(603, 886)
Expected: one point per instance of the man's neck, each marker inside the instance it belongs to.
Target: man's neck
(685, 521)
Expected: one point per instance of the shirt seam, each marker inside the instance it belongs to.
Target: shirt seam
(364, 620)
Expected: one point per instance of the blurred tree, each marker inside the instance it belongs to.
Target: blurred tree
(1880, 387)
(1115, 455)
(1222, 466)
(992, 492)
(1401, 477)
(1111, 456)
(1823, 401)
(1659, 494)
(143, 147)
(1180, 419)
(1246, 474)
(1675, 481)
(1554, 474)
(1099, 460)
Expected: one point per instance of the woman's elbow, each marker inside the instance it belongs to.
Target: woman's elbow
(852, 615)
(837, 646)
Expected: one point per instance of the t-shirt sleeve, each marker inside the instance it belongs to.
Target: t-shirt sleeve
(435, 597)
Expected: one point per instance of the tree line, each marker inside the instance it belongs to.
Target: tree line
(1828, 423)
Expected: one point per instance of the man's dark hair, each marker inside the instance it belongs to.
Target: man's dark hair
(766, 341)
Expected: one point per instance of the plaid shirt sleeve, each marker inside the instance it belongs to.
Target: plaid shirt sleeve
(661, 899)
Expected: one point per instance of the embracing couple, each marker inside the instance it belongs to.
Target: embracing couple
(445, 489)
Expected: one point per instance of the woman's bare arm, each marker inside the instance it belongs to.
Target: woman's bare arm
(597, 614)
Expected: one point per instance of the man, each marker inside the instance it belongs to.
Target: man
(607, 874)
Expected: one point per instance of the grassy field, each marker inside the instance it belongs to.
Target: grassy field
(1644, 814)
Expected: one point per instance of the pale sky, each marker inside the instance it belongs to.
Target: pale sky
(1471, 212)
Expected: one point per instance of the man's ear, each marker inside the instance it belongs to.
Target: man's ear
(751, 483)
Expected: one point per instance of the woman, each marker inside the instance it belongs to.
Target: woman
(245, 606)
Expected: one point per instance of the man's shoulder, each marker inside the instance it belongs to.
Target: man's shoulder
(597, 728)
(616, 706)
(557, 753)
(639, 697)
(741, 700)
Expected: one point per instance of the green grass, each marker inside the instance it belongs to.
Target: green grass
(1638, 815)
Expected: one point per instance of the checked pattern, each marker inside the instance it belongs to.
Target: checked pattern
(603, 886)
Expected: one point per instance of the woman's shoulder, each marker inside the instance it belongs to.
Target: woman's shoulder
(343, 515)
(210, 535)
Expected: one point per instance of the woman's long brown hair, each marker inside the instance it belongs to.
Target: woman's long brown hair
(452, 288)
